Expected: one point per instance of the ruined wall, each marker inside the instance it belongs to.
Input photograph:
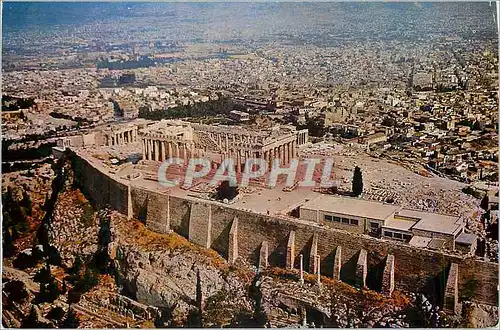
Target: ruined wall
(179, 215)
(221, 225)
(200, 224)
(150, 207)
(253, 229)
(101, 189)
(414, 269)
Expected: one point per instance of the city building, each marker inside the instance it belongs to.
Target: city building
(389, 221)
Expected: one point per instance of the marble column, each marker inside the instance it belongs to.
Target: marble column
(157, 150)
(238, 161)
(301, 269)
(318, 270)
(169, 149)
(148, 144)
(289, 151)
(286, 157)
(163, 152)
(143, 149)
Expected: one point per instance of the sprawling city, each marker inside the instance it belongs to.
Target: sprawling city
(297, 165)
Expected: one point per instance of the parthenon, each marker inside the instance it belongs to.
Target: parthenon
(174, 138)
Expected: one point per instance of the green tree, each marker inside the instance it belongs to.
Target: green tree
(485, 202)
(50, 291)
(87, 282)
(77, 266)
(71, 320)
(225, 190)
(8, 243)
(357, 182)
(43, 275)
(27, 203)
(104, 233)
(14, 214)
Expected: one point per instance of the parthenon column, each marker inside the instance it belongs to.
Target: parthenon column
(238, 161)
(157, 150)
(143, 142)
(148, 144)
(287, 153)
(163, 153)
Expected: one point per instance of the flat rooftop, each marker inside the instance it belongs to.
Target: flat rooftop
(419, 241)
(352, 206)
(466, 239)
(434, 222)
(399, 224)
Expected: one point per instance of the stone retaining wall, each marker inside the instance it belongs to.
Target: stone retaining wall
(414, 269)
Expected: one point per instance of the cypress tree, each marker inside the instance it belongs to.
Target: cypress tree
(357, 182)
(485, 202)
